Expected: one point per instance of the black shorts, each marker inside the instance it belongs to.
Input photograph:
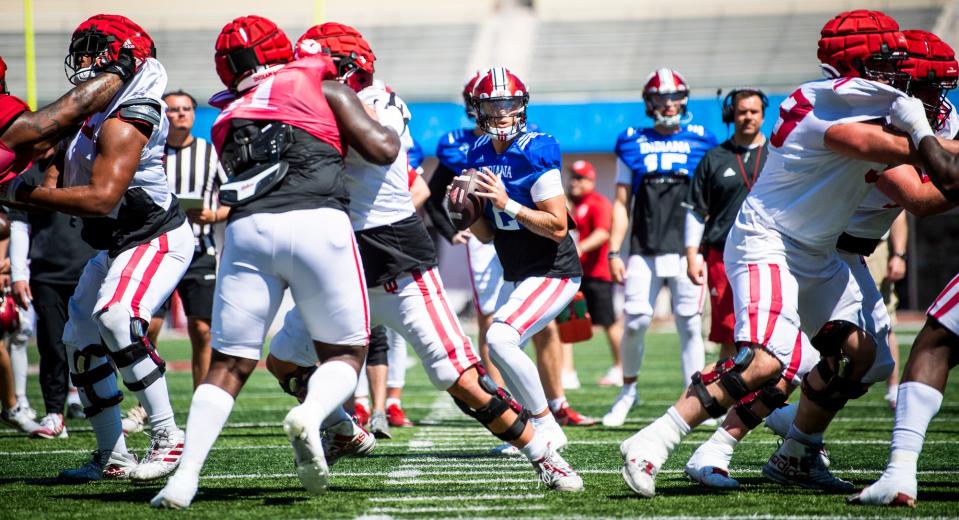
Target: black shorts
(599, 300)
(379, 347)
(195, 289)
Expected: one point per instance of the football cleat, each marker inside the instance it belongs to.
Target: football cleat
(616, 416)
(380, 426)
(346, 439)
(567, 416)
(102, 466)
(891, 396)
(134, 420)
(361, 414)
(162, 458)
(889, 490)
(19, 419)
(505, 450)
(640, 476)
(178, 492)
(711, 476)
(798, 464)
(781, 419)
(307, 450)
(397, 417)
(51, 427)
(24, 404)
(613, 377)
(557, 474)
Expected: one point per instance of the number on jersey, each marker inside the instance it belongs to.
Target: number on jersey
(791, 112)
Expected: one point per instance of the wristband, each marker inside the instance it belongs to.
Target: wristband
(613, 254)
(918, 134)
(512, 208)
(904, 256)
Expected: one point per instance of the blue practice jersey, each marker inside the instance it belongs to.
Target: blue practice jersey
(529, 158)
(415, 156)
(453, 147)
(658, 169)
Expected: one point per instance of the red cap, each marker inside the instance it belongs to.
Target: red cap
(583, 169)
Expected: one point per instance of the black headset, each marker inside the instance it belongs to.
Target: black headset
(729, 111)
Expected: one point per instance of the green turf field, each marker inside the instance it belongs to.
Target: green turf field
(439, 468)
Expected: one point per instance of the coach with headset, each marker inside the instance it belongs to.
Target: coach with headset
(720, 184)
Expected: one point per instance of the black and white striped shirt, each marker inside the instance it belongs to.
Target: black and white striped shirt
(195, 170)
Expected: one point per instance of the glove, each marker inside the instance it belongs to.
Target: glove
(909, 115)
(125, 65)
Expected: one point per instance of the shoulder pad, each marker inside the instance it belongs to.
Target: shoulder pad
(140, 112)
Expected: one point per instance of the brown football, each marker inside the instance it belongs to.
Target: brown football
(4, 226)
(463, 205)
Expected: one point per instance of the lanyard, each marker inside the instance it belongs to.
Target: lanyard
(742, 168)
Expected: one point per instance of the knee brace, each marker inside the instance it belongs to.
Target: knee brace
(770, 396)
(728, 373)
(295, 383)
(500, 403)
(140, 349)
(834, 368)
(87, 373)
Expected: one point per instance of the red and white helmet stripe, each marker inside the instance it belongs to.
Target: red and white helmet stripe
(664, 81)
(499, 82)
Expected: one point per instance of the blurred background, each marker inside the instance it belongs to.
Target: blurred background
(584, 62)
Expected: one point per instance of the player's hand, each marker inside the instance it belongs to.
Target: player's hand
(491, 188)
(617, 269)
(22, 294)
(696, 270)
(896, 269)
(5, 281)
(201, 216)
(461, 237)
(124, 66)
(909, 115)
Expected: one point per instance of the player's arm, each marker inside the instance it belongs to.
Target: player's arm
(420, 191)
(898, 236)
(439, 181)
(939, 158)
(904, 186)
(39, 131)
(871, 141)
(119, 146)
(617, 232)
(375, 142)
(482, 230)
(548, 219)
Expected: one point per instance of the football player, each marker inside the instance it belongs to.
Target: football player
(406, 291)
(281, 138)
(113, 176)
(783, 265)
(525, 217)
(653, 172)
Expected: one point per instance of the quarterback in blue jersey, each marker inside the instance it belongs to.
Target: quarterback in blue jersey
(654, 169)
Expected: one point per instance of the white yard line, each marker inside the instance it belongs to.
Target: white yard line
(457, 509)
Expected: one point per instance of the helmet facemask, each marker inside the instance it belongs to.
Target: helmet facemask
(92, 44)
(490, 110)
(932, 93)
(885, 67)
(348, 70)
(656, 104)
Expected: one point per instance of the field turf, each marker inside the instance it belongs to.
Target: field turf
(440, 468)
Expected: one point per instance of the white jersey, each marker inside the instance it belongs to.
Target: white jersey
(380, 195)
(876, 212)
(805, 190)
(150, 83)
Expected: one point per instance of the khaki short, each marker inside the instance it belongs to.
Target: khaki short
(878, 264)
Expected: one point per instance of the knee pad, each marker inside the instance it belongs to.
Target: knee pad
(728, 373)
(141, 348)
(90, 366)
(501, 402)
(770, 396)
(295, 383)
(636, 322)
(832, 336)
(379, 346)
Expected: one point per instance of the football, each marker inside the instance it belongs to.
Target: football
(463, 205)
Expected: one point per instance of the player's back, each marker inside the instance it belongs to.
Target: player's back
(806, 190)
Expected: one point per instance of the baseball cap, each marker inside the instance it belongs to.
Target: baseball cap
(583, 168)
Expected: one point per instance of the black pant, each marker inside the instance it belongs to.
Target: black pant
(50, 304)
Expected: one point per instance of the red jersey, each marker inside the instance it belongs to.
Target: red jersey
(292, 94)
(592, 212)
(10, 164)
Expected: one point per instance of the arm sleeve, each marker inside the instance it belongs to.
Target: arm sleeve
(624, 174)
(19, 250)
(441, 178)
(696, 196)
(547, 186)
(695, 226)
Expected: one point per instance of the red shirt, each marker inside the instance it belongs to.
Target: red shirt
(10, 163)
(592, 212)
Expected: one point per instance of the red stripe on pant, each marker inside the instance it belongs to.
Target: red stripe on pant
(127, 274)
(754, 294)
(163, 247)
(545, 308)
(947, 306)
(469, 265)
(451, 318)
(795, 360)
(528, 301)
(437, 323)
(775, 304)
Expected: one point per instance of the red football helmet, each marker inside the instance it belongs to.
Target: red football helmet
(864, 44)
(246, 44)
(100, 37)
(9, 314)
(664, 85)
(933, 72)
(3, 76)
(351, 52)
(498, 93)
(468, 96)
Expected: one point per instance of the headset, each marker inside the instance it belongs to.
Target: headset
(728, 108)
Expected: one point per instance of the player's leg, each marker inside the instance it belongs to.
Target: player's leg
(642, 286)
(688, 299)
(549, 362)
(376, 370)
(396, 360)
(18, 359)
(486, 281)
(721, 304)
(599, 303)
(51, 316)
(196, 292)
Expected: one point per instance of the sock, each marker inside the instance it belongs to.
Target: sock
(811, 439)
(546, 420)
(902, 462)
(781, 418)
(718, 450)
(395, 360)
(336, 417)
(536, 448)
(209, 410)
(390, 401)
(108, 429)
(628, 391)
(156, 401)
(917, 404)
(669, 430)
(556, 404)
(73, 396)
(634, 343)
(362, 392)
(18, 362)
(517, 368)
(329, 387)
(692, 350)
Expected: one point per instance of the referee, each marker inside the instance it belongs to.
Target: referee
(720, 184)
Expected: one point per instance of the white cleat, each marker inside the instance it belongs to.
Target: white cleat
(307, 450)
(24, 404)
(640, 476)
(555, 437)
(557, 474)
(346, 439)
(177, 494)
(505, 450)
(102, 466)
(889, 490)
(134, 420)
(711, 476)
(51, 427)
(18, 417)
(162, 458)
(616, 416)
